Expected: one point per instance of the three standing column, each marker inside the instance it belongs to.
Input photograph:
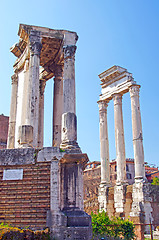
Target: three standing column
(137, 133)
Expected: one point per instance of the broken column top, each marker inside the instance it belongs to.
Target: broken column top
(52, 47)
(115, 80)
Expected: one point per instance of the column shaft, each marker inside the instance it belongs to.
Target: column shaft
(104, 143)
(58, 106)
(41, 114)
(69, 119)
(137, 133)
(33, 94)
(119, 139)
(13, 110)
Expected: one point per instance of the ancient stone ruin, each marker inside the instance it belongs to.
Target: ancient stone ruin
(43, 186)
(140, 200)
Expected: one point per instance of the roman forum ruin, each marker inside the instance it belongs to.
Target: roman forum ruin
(115, 82)
(44, 185)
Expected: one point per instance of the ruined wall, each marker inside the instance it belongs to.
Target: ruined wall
(25, 202)
(154, 194)
(4, 121)
(92, 205)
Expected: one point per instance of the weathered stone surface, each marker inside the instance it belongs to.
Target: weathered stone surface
(17, 156)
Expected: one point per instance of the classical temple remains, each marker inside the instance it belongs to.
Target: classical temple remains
(43, 186)
(140, 201)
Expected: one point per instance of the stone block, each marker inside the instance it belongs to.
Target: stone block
(26, 135)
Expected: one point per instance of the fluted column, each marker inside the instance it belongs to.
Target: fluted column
(69, 119)
(33, 92)
(119, 139)
(104, 143)
(41, 113)
(137, 133)
(13, 110)
(58, 105)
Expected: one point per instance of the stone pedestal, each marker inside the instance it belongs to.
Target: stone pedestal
(119, 197)
(67, 220)
(13, 109)
(141, 205)
(137, 134)
(103, 197)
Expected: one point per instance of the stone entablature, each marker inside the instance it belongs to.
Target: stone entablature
(115, 80)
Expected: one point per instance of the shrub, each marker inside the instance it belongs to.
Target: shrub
(115, 227)
(8, 232)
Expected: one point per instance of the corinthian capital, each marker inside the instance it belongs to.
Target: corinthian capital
(117, 97)
(35, 42)
(103, 104)
(69, 51)
(134, 90)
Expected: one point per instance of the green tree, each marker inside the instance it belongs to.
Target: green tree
(155, 181)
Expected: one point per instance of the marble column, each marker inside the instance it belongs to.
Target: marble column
(41, 113)
(13, 110)
(33, 93)
(104, 143)
(137, 133)
(58, 105)
(69, 119)
(104, 154)
(119, 139)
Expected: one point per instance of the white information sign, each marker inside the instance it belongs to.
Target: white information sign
(13, 174)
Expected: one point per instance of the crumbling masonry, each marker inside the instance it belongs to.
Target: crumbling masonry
(40, 186)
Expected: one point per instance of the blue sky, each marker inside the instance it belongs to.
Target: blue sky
(111, 32)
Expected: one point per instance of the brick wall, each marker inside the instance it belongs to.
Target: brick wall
(25, 202)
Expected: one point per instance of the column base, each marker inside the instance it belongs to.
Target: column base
(69, 132)
(103, 196)
(119, 197)
(72, 146)
(140, 179)
(141, 205)
(25, 136)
